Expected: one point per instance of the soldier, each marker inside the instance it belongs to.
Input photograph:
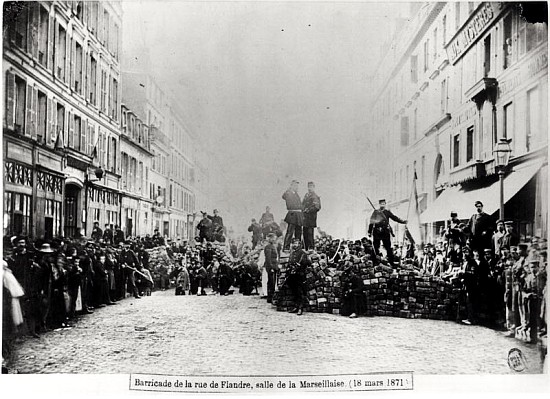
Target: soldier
(296, 275)
(294, 217)
(380, 230)
(271, 265)
(267, 217)
(311, 204)
(118, 235)
(217, 226)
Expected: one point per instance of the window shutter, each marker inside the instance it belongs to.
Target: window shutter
(99, 32)
(35, 22)
(10, 100)
(70, 123)
(66, 128)
(48, 135)
(53, 126)
(51, 47)
(68, 44)
(29, 105)
(88, 86)
(83, 127)
(73, 63)
(34, 108)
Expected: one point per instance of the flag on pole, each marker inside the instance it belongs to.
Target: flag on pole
(412, 230)
(59, 142)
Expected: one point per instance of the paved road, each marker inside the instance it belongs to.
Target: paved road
(191, 335)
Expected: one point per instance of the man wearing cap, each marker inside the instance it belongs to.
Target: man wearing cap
(118, 235)
(496, 240)
(380, 230)
(481, 228)
(509, 239)
(108, 234)
(294, 216)
(311, 204)
(271, 265)
(296, 275)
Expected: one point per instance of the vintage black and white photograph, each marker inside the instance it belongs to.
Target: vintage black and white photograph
(275, 188)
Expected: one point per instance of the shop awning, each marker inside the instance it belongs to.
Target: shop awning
(462, 201)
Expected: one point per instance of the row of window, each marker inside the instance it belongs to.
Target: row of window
(180, 198)
(134, 175)
(509, 42)
(134, 128)
(34, 31)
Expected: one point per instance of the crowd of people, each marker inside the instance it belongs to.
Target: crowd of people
(47, 284)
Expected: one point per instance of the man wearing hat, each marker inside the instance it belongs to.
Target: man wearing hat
(294, 216)
(481, 228)
(267, 217)
(380, 230)
(311, 204)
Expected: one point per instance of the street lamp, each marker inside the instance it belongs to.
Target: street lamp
(502, 157)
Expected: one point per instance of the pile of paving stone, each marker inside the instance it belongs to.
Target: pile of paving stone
(403, 292)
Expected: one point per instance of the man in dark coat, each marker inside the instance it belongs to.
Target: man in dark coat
(118, 235)
(108, 234)
(217, 226)
(379, 228)
(271, 265)
(354, 299)
(509, 239)
(294, 216)
(267, 217)
(256, 231)
(298, 263)
(481, 229)
(97, 233)
(311, 204)
(205, 228)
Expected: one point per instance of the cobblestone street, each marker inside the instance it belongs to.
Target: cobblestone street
(240, 335)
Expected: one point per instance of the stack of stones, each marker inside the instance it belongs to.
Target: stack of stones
(403, 292)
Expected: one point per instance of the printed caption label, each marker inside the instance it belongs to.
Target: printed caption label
(208, 384)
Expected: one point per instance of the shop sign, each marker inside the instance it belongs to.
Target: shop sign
(464, 116)
(529, 70)
(470, 32)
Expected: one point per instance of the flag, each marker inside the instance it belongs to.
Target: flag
(412, 230)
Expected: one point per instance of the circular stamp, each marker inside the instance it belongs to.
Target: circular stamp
(516, 360)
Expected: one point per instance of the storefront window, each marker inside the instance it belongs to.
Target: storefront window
(17, 213)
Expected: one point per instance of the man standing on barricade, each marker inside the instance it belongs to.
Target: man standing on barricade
(311, 204)
(294, 217)
(481, 229)
(380, 229)
(296, 275)
(205, 228)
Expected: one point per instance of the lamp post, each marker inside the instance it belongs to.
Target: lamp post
(502, 153)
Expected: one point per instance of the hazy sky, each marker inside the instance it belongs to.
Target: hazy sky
(278, 90)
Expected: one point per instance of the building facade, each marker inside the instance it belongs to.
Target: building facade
(458, 78)
(61, 117)
(136, 160)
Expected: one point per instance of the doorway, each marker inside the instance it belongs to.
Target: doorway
(72, 195)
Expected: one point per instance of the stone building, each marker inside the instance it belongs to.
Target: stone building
(61, 116)
(458, 78)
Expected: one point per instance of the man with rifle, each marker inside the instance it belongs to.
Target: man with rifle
(380, 229)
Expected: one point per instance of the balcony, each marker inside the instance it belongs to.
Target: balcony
(482, 90)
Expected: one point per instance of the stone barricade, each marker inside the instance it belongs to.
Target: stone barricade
(398, 293)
